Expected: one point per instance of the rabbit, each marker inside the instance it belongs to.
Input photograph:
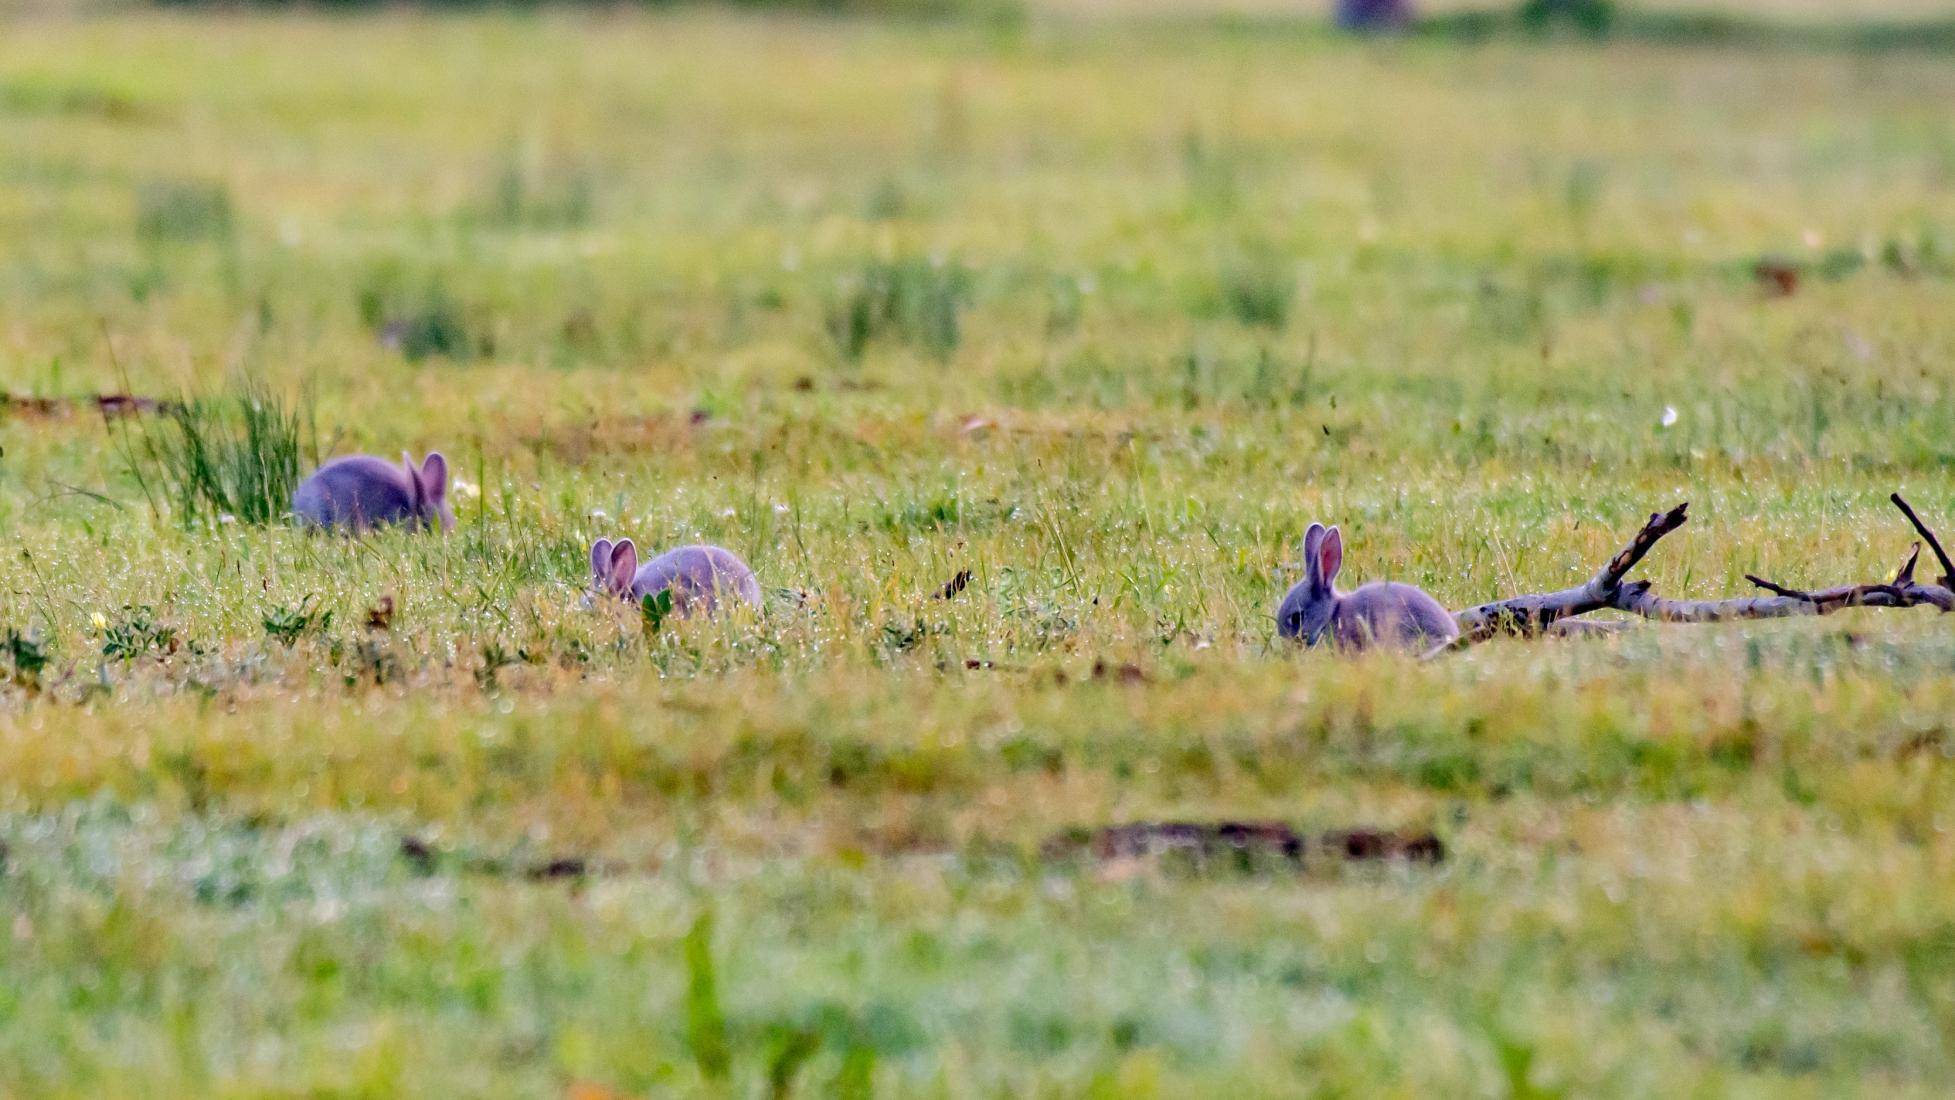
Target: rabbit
(1380, 613)
(1371, 15)
(358, 492)
(697, 576)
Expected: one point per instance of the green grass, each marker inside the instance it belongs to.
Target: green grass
(225, 458)
(1102, 313)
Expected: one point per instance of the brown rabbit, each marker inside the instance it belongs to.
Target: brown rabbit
(1381, 613)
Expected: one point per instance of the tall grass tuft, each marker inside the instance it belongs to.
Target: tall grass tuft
(1590, 17)
(705, 1016)
(183, 210)
(521, 192)
(233, 457)
(1259, 290)
(419, 319)
(914, 300)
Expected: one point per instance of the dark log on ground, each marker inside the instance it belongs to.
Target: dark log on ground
(1246, 844)
(1201, 839)
(107, 404)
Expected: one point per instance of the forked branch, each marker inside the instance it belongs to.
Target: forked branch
(1531, 615)
(1902, 591)
(1947, 567)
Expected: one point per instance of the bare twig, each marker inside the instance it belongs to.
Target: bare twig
(1902, 591)
(1531, 614)
(1824, 602)
(1549, 612)
(1947, 567)
(1639, 600)
(1779, 590)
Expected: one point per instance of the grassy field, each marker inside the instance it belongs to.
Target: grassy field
(1102, 313)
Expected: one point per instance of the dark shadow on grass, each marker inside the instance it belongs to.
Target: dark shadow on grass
(1711, 30)
(1703, 29)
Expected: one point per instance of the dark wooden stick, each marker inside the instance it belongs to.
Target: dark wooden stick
(1947, 567)
(1777, 589)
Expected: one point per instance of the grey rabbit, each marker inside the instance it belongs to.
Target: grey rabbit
(1380, 613)
(697, 576)
(359, 492)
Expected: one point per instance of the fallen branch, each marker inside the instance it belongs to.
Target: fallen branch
(1637, 599)
(1529, 615)
(1947, 567)
(1550, 612)
(1902, 591)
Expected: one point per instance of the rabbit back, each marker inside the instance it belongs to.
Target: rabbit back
(698, 578)
(1391, 614)
(355, 492)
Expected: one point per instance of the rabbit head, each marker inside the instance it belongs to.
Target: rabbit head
(428, 484)
(1307, 610)
(614, 566)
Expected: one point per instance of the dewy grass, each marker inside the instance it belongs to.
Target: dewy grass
(401, 815)
(233, 457)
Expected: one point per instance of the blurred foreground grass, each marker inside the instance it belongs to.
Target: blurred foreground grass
(1103, 315)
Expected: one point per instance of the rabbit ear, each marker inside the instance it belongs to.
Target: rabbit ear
(1330, 556)
(434, 478)
(624, 566)
(1312, 538)
(600, 560)
(414, 487)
